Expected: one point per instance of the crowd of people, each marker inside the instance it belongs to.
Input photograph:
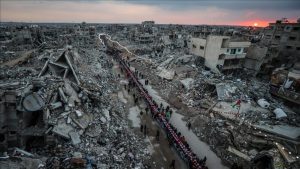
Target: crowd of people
(163, 115)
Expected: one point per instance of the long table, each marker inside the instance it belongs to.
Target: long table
(185, 152)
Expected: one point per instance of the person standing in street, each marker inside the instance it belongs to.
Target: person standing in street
(145, 130)
(157, 135)
(172, 165)
(142, 127)
(168, 115)
(189, 125)
(146, 109)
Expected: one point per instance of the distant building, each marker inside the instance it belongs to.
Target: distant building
(283, 36)
(23, 37)
(147, 27)
(221, 53)
(148, 24)
(283, 40)
(146, 38)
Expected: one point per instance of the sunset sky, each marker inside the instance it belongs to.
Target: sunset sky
(217, 12)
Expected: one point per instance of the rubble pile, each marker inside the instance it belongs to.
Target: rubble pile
(59, 105)
(197, 93)
(225, 108)
(72, 118)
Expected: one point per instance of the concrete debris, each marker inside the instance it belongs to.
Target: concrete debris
(62, 130)
(68, 108)
(62, 95)
(79, 113)
(226, 92)
(62, 67)
(17, 150)
(103, 119)
(33, 102)
(286, 131)
(19, 162)
(238, 153)
(74, 137)
(279, 113)
(187, 83)
(166, 74)
(225, 103)
(287, 156)
(55, 105)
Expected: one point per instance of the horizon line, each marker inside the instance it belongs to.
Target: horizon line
(38, 22)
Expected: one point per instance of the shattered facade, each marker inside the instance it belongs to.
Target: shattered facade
(220, 52)
(282, 40)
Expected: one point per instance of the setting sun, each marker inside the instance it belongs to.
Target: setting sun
(255, 24)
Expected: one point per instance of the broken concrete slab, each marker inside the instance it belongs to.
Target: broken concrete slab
(103, 119)
(287, 156)
(23, 152)
(106, 114)
(184, 59)
(187, 83)
(279, 113)
(77, 155)
(166, 73)
(78, 123)
(61, 67)
(62, 129)
(225, 92)
(33, 102)
(75, 137)
(94, 130)
(62, 95)
(79, 113)
(73, 95)
(290, 132)
(55, 105)
(239, 153)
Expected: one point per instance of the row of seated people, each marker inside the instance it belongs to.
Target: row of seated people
(159, 111)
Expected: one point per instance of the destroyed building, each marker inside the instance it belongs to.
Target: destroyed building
(23, 120)
(282, 40)
(221, 53)
(255, 57)
(55, 105)
(146, 38)
(285, 83)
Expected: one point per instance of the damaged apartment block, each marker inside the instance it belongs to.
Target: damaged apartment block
(23, 118)
(221, 53)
